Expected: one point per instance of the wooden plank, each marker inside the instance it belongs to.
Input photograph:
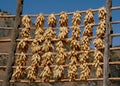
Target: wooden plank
(63, 80)
(91, 51)
(30, 40)
(107, 45)
(6, 28)
(57, 14)
(67, 65)
(14, 36)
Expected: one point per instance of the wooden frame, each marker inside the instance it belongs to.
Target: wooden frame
(7, 80)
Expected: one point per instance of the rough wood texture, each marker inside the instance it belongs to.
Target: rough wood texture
(107, 44)
(14, 36)
(64, 80)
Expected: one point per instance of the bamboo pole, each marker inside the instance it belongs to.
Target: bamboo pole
(107, 45)
(57, 14)
(14, 36)
(33, 28)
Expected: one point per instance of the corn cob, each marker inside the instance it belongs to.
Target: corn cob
(100, 31)
(102, 14)
(74, 46)
(46, 74)
(63, 19)
(19, 73)
(72, 72)
(99, 42)
(47, 57)
(58, 72)
(63, 33)
(52, 20)
(36, 49)
(39, 23)
(85, 56)
(76, 32)
(76, 19)
(22, 47)
(89, 18)
(60, 48)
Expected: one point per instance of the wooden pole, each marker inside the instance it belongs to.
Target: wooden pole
(14, 36)
(110, 19)
(107, 44)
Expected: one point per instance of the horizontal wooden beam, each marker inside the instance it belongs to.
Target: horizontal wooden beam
(91, 51)
(46, 15)
(93, 37)
(67, 65)
(64, 80)
(56, 28)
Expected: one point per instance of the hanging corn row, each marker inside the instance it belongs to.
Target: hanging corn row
(47, 57)
(60, 47)
(43, 50)
(85, 56)
(75, 47)
(99, 42)
(20, 71)
(36, 48)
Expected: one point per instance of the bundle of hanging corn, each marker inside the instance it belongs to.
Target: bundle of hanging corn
(22, 47)
(60, 60)
(99, 42)
(47, 57)
(60, 47)
(36, 48)
(75, 47)
(85, 47)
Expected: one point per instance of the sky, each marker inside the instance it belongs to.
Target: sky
(56, 6)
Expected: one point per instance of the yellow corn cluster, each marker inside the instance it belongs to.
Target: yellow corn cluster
(61, 53)
(60, 48)
(40, 21)
(88, 30)
(58, 72)
(89, 18)
(75, 46)
(46, 74)
(99, 42)
(63, 19)
(47, 57)
(36, 49)
(52, 20)
(85, 56)
(63, 26)
(60, 60)
(100, 32)
(102, 14)
(76, 19)
(42, 47)
(22, 47)
(72, 72)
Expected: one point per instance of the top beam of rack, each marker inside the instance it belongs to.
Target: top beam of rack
(46, 15)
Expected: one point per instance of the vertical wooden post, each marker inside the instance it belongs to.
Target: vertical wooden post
(110, 20)
(14, 36)
(107, 44)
